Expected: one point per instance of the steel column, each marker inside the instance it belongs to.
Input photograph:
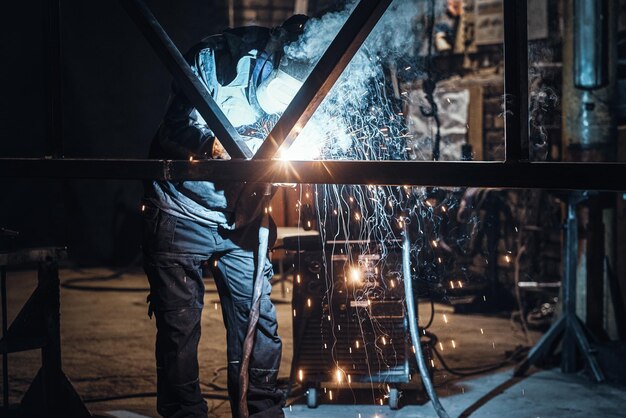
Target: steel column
(5, 356)
(570, 266)
(516, 80)
(326, 72)
(184, 76)
(54, 79)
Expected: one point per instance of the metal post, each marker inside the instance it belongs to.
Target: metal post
(54, 78)
(48, 279)
(516, 80)
(5, 356)
(570, 261)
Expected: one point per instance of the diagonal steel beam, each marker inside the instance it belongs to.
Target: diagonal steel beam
(184, 76)
(326, 72)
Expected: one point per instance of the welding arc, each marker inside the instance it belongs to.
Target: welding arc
(413, 328)
(253, 317)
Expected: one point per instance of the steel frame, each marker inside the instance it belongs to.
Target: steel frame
(561, 176)
(516, 172)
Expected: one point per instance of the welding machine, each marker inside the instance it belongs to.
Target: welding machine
(349, 322)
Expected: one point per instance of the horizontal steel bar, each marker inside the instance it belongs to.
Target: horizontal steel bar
(188, 82)
(89, 168)
(540, 175)
(323, 77)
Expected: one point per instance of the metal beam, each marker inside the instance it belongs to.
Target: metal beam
(69, 168)
(516, 80)
(564, 176)
(184, 76)
(54, 78)
(326, 72)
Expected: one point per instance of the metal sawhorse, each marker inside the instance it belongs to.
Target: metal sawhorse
(37, 326)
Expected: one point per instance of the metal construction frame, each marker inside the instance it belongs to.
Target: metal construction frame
(517, 171)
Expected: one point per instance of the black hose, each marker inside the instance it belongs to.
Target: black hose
(413, 328)
(432, 313)
(472, 371)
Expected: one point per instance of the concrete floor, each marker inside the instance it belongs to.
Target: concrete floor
(107, 341)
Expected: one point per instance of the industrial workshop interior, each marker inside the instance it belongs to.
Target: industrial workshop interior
(313, 208)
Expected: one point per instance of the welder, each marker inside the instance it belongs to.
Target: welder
(191, 224)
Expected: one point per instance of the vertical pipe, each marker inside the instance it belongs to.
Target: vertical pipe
(516, 80)
(54, 78)
(589, 126)
(590, 44)
(5, 356)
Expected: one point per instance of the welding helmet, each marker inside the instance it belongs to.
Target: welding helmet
(280, 78)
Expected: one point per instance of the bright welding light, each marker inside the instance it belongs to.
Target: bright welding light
(310, 141)
(355, 275)
(339, 375)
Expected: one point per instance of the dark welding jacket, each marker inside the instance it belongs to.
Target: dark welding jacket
(228, 65)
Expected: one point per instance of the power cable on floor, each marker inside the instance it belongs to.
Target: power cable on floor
(472, 371)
